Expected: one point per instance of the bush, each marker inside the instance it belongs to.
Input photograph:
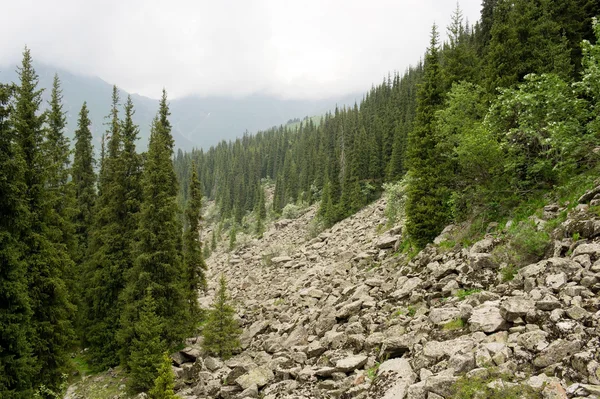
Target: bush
(291, 211)
(395, 195)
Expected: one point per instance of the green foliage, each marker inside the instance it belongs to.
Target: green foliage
(291, 211)
(146, 347)
(221, 331)
(17, 365)
(84, 179)
(193, 260)
(158, 263)
(232, 237)
(540, 124)
(462, 294)
(395, 195)
(477, 388)
(456, 324)
(427, 194)
(508, 273)
(47, 259)
(165, 381)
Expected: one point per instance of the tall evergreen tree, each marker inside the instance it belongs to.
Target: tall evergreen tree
(146, 347)
(46, 260)
(104, 278)
(84, 179)
(17, 365)
(221, 331)
(194, 265)
(158, 264)
(427, 199)
(165, 382)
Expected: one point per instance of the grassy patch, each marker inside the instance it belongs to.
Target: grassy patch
(456, 324)
(508, 273)
(372, 372)
(477, 388)
(462, 294)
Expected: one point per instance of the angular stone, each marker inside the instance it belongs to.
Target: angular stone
(587, 249)
(556, 352)
(348, 310)
(351, 363)
(259, 376)
(441, 384)
(440, 316)
(407, 288)
(249, 333)
(281, 259)
(386, 241)
(514, 307)
(533, 341)
(393, 379)
(487, 318)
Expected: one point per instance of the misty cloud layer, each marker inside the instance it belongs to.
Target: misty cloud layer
(292, 49)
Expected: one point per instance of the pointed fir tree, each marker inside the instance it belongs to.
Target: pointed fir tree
(221, 331)
(47, 261)
(103, 278)
(84, 179)
(61, 190)
(158, 264)
(17, 365)
(193, 260)
(165, 382)
(427, 210)
(213, 241)
(146, 347)
(261, 211)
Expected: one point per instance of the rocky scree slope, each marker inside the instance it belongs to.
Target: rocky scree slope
(343, 316)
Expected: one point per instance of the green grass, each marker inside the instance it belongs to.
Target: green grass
(456, 324)
(462, 294)
(509, 273)
(477, 388)
(372, 372)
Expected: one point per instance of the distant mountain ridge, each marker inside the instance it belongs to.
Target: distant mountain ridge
(199, 122)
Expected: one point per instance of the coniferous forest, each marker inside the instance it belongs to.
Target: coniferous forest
(100, 247)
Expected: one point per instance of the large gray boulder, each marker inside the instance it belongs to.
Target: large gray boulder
(487, 318)
(393, 379)
(259, 377)
(351, 363)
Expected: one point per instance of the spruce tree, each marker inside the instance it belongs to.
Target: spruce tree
(146, 347)
(103, 279)
(158, 264)
(58, 152)
(47, 261)
(426, 208)
(165, 382)
(261, 211)
(84, 179)
(221, 331)
(194, 265)
(17, 365)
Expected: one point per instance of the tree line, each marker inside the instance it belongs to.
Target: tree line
(456, 126)
(90, 260)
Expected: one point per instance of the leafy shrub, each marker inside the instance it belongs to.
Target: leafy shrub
(395, 195)
(508, 273)
(291, 211)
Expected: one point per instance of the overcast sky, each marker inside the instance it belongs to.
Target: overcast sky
(292, 49)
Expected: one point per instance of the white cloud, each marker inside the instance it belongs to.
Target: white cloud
(300, 48)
